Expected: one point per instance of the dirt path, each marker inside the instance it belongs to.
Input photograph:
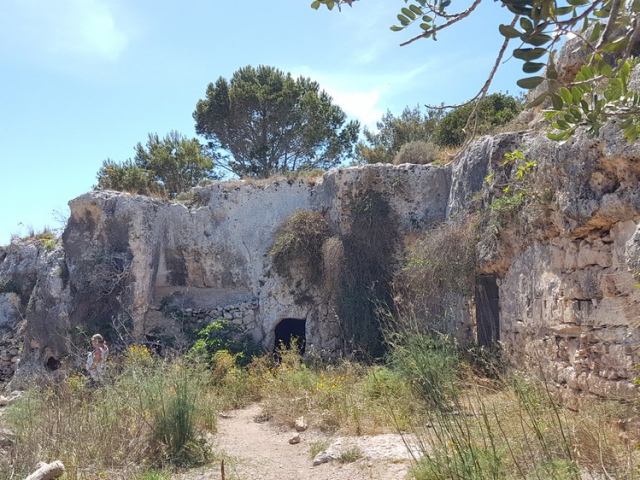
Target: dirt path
(260, 451)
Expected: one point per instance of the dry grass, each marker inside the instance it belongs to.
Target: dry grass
(519, 431)
(345, 397)
(487, 429)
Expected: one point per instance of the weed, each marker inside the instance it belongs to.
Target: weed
(317, 447)
(438, 269)
(350, 455)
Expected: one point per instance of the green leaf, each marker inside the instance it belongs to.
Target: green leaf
(415, 9)
(537, 39)
(526, 24)
(530, 82)
(529, 54)
(532, 67)
(395, 28)
(519, 10)
(537, 101)
(601, 13)
(425, 26)
(315, 5)
(558, 137)
(606, 70)
(557, 102)
(508, 31)
(408, 13)
(631, 133)
(576, 93)
(595, 34)
(403, 20)
(427, 18)
(586, 72)
(578, 3)
(625, 71)
(566, 96)
(576, 112)
(615, 44)
(552, 73)
(564, 10)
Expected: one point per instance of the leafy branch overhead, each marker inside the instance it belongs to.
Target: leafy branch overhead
(609, 31)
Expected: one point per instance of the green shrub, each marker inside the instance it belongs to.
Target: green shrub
(223, 335)
(127, 177)
(173, 406)
(429, 364)
(298, 243)
(495, 110)
(467, 463)
(419, 152)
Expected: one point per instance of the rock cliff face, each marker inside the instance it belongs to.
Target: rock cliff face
(566, 262)
(155, 268)
(558, 254)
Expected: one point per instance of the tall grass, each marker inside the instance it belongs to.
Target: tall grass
(146, 416)
(152, 415)
(507, 428)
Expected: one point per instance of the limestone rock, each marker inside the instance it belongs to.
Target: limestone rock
(300, 424)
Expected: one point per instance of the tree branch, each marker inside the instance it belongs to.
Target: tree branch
(455, 19)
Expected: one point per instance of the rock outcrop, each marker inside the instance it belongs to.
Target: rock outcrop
(558, 255)
(151, 268)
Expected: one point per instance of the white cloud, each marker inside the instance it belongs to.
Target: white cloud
(364, 96)
(64, 28)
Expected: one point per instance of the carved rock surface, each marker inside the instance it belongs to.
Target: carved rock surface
(149, 262)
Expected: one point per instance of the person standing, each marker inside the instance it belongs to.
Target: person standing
(97, 358)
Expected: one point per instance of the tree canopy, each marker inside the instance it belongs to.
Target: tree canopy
(610, 34)
(419, 134)
(268, 122)
(164, 166)
(393, 132)
(492, 111)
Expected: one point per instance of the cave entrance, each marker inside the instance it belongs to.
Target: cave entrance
(487, 310)
(289, 329)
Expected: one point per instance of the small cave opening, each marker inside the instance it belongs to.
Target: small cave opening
(52, 364)
(289, 329)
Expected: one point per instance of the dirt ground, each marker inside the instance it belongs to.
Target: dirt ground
(260, 451)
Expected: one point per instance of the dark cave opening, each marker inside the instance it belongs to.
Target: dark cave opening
(487, 310)
(289, 329)
(52, 364)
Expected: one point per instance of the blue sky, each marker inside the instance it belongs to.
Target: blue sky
(85, 80)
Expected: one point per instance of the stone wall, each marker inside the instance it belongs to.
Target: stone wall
(567, 262)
